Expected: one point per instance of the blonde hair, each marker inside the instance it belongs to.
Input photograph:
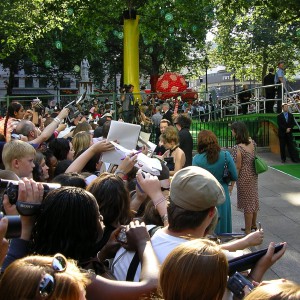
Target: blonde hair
(83, 126)
(22, 278)
(81, 141)
(16, 150)
(170, 135)
(194, 270)
(276, 290)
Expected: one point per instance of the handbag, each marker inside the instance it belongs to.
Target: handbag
(170, 163)
(226, 173)
(260, 165)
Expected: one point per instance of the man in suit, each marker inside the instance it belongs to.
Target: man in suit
(167, 113)
(183, 124)
(286, 122)
(270, 91)
(244, 97)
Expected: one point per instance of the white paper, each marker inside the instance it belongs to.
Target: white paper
(90, 178)
(152, 146)
(143, 138)
(126, 134)
(65, 132)
(147, 164)
(115, 157)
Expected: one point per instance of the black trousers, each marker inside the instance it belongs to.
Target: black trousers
(244, 108)
(287, 140)
(270, 103)
(279, 97)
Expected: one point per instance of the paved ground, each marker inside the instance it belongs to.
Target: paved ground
(279, 214)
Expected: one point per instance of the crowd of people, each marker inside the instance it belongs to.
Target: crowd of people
(90, 230)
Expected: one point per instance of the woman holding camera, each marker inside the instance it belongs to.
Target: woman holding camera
(212, 159)
(69, 222)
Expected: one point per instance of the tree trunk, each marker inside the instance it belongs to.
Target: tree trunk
(154, 73)
(11, 79)
(264, 66)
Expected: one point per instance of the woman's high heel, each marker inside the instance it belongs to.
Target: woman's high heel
(253, 228)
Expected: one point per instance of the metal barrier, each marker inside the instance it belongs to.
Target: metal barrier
(217, 119)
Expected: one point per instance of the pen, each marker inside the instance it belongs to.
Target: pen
(259, 226)
(132, 154)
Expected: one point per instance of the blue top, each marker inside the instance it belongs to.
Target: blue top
(217, 169)
(279, 73)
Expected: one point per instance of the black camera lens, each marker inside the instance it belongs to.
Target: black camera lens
(14, 226)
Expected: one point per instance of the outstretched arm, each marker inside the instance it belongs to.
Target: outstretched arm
(266, 262)
(250, 240)
(102, 288)
(78, 164)
(48, 131)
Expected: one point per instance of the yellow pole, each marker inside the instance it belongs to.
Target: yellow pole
(131, 55)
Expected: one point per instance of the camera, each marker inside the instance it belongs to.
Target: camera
(122, 236)
(14, 226)
(11, 188)
(236, 284)
(15, 136)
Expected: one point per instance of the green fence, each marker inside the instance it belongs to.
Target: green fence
(258, 131)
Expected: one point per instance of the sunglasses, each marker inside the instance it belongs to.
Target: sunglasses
(46, 287)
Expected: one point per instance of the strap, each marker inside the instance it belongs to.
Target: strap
(133, 267)
(136, 260)
(225, 164)
(172, 150)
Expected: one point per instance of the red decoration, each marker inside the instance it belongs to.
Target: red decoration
(170, 85)
(189, 94)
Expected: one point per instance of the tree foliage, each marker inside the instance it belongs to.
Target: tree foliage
(170, 32)
(252, 36)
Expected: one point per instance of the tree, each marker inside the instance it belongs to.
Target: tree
(170, 32)
(249, 39)
(23, 23)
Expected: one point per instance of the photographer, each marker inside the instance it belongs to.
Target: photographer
(127, 99)
(27, 189)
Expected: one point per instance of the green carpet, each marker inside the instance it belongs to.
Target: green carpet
(293, 170)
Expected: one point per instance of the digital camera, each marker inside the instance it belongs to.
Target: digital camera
(236, 284)
(122, 237)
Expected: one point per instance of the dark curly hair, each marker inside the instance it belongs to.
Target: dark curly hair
(183, 121)
(68, 223)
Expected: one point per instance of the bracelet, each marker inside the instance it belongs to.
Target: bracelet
(57, 119)
(164, 218)
(161, 200)
(124, 177)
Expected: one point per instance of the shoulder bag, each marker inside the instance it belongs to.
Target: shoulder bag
(260, 165)
(226, 173)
